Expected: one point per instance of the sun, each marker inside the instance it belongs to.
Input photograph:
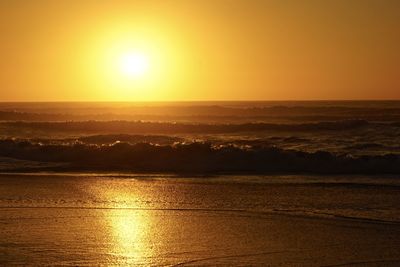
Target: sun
(133, 64)
(137, 67)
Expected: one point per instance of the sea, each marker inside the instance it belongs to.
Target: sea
(277, 183)
(329, 137)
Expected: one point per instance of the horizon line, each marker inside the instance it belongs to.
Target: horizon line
(191, 101)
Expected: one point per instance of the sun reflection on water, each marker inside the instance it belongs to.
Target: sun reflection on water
(131, 236)
(125, 221)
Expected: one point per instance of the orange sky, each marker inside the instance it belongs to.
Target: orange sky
(200, 50)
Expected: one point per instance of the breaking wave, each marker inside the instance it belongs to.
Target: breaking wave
(196, 157)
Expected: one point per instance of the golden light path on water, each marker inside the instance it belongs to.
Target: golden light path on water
(132, 237)
(128, 226)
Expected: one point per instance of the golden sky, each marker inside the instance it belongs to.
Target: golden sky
(76, 50)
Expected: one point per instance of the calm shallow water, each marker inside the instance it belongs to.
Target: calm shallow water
(155, 220)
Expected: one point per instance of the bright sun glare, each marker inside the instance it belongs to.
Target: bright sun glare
(133, 64)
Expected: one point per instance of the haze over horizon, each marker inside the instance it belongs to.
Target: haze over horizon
(199, 50)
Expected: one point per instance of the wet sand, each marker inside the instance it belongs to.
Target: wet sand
(81, 221)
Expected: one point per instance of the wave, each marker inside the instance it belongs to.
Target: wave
(365, 146)
(197, 157)
(127, 138)
(201, 112)
(142, 127)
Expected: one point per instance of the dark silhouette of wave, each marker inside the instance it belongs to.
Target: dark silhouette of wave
(363, 146)
(127, 138)
(141, 127)
(196, 158)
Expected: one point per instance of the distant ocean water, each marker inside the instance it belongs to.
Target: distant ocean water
(203, 137)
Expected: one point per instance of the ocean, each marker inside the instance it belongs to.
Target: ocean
(312, 183)
(329, 137)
